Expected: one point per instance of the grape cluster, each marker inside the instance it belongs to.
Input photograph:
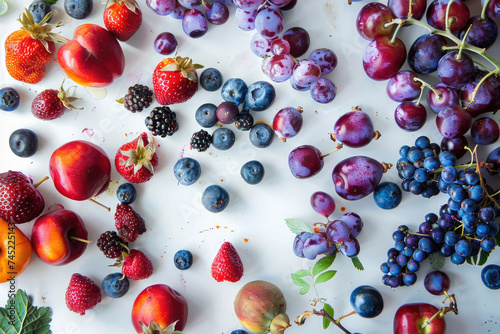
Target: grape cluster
(337, 235)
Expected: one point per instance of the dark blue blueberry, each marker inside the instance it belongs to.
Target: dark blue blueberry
(422, 142)
(206, 115)
(9, 99)
(78, 9)
(211, 79)
(23, 142)
(187, 171)
(409, 278)
(260, 95)
(126, 193)
(39, 9)
(447, 159)
(431, 163)
(457, 259)
(234, 90)
(115, 285)
(403, 151)
(239, 331)
(244, 121)
(183, 259)
(223, 138)
(490, 275)
(367, 301)
(252, 172)
(215, 198)
(387, 195)
(451, 238)
(261, 135)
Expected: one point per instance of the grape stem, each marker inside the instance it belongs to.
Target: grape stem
(393, 39)
(448, 21)
(460, 49)
(425, 84)
(483, 12)
(300, 320)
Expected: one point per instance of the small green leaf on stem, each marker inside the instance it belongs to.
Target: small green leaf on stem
(297, 226)
(27, 319)
(436, 261)
(302, 273)
(323, 264)
(357, 263)
(329, 310)
(51, 2)
(304, 290)
(299, 281)
(325, 276)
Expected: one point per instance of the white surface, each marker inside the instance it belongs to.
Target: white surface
(174, 216)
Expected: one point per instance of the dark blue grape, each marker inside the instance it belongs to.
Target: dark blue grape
(477, 193)
(408, 172)
(399, 245)
(419, 255)
(449, 174)
(420, 175)
(409, 278)
(446, 222)
(447, 158)
(482, 230)
(411, 240)
(407, 251)
(431, 218)
(488, 243)
(463, 247)
(367, 301)
(392, 253)
(422, 142)
(437, 282)
(384, 267)
(413, 265)
(451, 238)
(486, 214)
(425, 227)
(457, 259)
(425, 52)
(416, 187)
(446, 250)
(414, 154)
(298, 243)
(453, 204)
(457, 193)
(468, 205)
(437, 234)
(426, 244)
(401, 260)
(403, 151)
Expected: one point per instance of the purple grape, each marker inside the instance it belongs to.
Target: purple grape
(287, 123)
(383, 58)
(455, 71)
(305, 161)
(354, 129)
(246, 20)
(350, 247)
(306, 72)
(298, 243)
(260, 46)
(248, 5)
(161, 7)
(165, 43)
(279, 3)
(486, 98)
(484, 131)
(325, 58)
(458, 14)
(194, 23)
(493, 9)
(437, 282)
(456, 146)
(402, 87)
(179, 11)
(400, 8)
(410, 116)
(227, 112)
(323, 90)
(447, 96)
(353, 221)
(290, 5)
(453, 122)
(372, 19)
(269, 22)
(314, 245)
(322, 203)
(425, 53)
(217, 12)
(494, 159)
(189, 4)
(297, 87)
(337, 231)
(280, 46)
(280, 68)
(299, 41)
(483, 32)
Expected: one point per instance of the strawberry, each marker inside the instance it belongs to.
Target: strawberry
(136, 162)
(227, 265)
(137, 265)
(122, 18)
(175, 80)
(30, 49)
(82, 294)
(128, 223)
(20, 201)
(51, 104)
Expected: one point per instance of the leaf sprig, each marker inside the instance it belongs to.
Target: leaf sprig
(20, 317)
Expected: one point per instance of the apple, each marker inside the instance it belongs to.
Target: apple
(162, 305)
(410, 318)
(80, 170)
(15, 251)
(93, 58)
(59, 237)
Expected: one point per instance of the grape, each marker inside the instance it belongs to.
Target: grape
(325, 58)
(483, 32)
(280, 46)
(280, 67)
(287, 123)
(322, 91)
(315, 244)
(227, 112)
(484, 131)
(246, 21)
(189, 4)
(437, 282)
(459, 14)
(337, 231)
(279, 3)
(350, 247)
(179, 11)
(487, 97)
(322, 203)
(162, 7)
(454, 70)
(298, 243)
(382, 59)
(305, 161)
(260, 46)
(299, 41)
(456, 146)
(353, 221)
(463, 247)
(306, 72)
(372, 19)
(457, 259)
(300, 88)
(402, 87)
(410, 116)
(453, 122)
(493, 9)
(217, 12)
(248, 5)
(269, 22)
(400, 8)
(425, 53)
(354, 129)
(165, 43)
(194, 23)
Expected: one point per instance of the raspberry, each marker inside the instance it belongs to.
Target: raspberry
(201, 140)
(111, 244)
(138, 98)
(161, 122)
(128, 223)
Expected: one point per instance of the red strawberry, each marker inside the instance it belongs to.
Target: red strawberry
(51, 104)
(128, 223)
(122, 18)
(136, 160)
(20, 201)
(227, 265)
(137, 265)
(175, 80)
(82, 294)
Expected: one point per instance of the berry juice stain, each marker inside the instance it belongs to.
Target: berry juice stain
(342, 209)
(88, 132)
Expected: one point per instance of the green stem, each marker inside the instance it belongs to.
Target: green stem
(459, 56)
(339, 146)
(483, 12)
(393, 40)
(425, 84)
(430, 319)
(474, 92)
(448, 22)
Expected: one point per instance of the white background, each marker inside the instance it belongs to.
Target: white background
(174, 215)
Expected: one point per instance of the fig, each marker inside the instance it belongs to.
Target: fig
(260, 307)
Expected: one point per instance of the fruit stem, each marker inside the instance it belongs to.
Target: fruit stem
(376, 135)
(483, 79)
(300, 320)
(345, 316)
(100, 204)
(40, 182)
(72, 237)
(460, 49)
(448, 21)
(339, 146)
(483, 11)
(431, 318)
(386, 166)
(393, 39)
(425, 84)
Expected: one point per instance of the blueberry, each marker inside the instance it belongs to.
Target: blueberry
(39, 9)
(78, 9)
(215, 198)
(183, 259)
(490, 275)
(187, 171)
(252, 172)
(367, 301)
(115, 285)
(206, 115)
(23, 142)
(244, 121)
(387, 195)
(223, 138)
(211, 79)
(261, 135)
(234, 90)
(9, 99)
(126, 193)
(239, 331)
(260, 95)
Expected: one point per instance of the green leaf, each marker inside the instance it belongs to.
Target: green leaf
(479, 259)
(436, 261)
(304, 290)
(302, 273)
(357, 263)
(324, 263)
(325, 276)
(20, 317)
(299, 281)
(51, 2)
(329, 310)
(297, 226)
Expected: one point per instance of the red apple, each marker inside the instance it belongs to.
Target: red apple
(93, 57)
(409, 319)
(80, 170)
(160, 304)
(53, 237)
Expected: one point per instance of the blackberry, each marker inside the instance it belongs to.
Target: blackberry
(138, 98)
(161, 122)
(244, 121)
(201, 140)
(111, 244)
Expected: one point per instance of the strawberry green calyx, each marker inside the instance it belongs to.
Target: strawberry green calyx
(186, 66)
(279, 323)
(41, 31)
(140, 157)
(130, 4)
(154, 328)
